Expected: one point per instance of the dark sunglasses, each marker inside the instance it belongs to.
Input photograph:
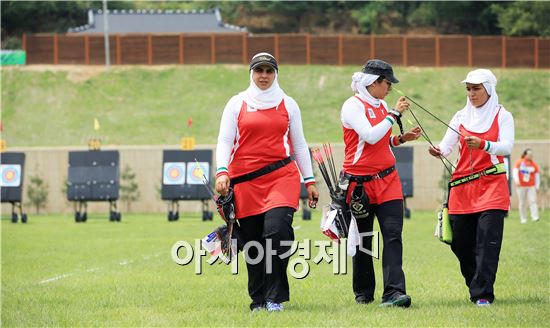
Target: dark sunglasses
(264, 70)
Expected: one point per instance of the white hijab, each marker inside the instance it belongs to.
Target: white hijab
(480, 119)
(262, 99)
(359, 83)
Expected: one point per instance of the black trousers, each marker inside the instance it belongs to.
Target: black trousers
(390, 219)
(275, 224)
(477, 239)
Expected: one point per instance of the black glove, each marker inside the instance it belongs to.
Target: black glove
(226, 206)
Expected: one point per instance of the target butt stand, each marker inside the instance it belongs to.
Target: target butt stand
(12, 166)
(94, 176)
(182, 175)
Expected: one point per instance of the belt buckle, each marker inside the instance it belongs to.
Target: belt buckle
(376, 176)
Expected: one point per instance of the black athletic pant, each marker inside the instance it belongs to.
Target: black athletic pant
(390, 219)
(275, 224)
(476, 243)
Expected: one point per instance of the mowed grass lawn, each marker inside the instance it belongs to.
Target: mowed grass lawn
(59, 273)
(56, 106)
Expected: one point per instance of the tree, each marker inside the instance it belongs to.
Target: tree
(37, 192)
(382, 17)
(129, 189)
(370, 17)
(523, 18)
(41, 16)
(465, 17)
(20, 17)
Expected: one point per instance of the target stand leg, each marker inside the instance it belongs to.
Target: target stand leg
(84, 213)
(206, 214)
(80, 214)
(170, 210)
(173, 210)
(114, 214)
(76, 212)
(406, 210)
(14, 217)
(23, 215)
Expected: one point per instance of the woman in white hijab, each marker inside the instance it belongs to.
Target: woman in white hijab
(478, 196)
(261, 153)
(374, 183)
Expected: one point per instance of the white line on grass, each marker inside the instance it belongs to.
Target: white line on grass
(65, 275)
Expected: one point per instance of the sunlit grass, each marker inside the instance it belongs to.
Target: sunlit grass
(59, 273)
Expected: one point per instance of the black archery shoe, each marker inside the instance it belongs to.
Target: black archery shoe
(397, 299)
(362, 299)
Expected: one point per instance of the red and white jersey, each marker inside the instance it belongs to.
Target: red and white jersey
(365, 154)
(367, 132)
(262, 139)
(251, 139)
(501, 147)
(487, 192)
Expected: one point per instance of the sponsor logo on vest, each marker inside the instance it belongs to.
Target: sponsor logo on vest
(371, 113)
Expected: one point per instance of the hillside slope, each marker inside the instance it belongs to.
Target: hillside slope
(56, 106)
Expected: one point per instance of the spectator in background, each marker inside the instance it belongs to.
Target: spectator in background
(527, 178)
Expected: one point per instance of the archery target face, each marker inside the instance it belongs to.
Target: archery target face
(11, 175)
(195, 172)
(174, 173)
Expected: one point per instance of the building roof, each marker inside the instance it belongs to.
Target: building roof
(157, 21)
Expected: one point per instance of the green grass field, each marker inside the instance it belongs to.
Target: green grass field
(59, 273)
(151, 105)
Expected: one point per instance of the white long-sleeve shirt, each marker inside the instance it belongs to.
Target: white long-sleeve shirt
(502, 147)
(228, 137)
(353, 117)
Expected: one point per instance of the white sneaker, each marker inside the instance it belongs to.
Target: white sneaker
(535, 220)
(523, 221)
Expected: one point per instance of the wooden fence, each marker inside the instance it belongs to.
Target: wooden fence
(301, 49)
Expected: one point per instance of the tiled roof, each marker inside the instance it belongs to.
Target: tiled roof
(157, 21)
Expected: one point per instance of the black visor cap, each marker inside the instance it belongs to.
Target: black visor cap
(380, 67)
(264, 59)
